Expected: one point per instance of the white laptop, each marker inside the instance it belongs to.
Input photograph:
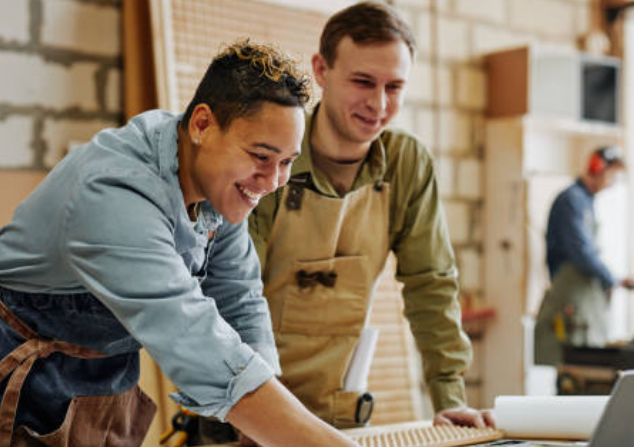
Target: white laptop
(615, 427)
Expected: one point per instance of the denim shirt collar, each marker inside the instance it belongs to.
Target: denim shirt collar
(208, 218)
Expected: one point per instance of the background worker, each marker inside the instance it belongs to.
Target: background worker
(575, 309)
(356, 192)
(139, 239)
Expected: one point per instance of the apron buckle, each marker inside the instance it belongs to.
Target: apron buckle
(365, 405)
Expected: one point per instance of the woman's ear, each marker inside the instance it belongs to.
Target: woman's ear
(202, 120)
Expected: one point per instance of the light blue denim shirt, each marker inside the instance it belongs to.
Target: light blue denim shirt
(110, 220)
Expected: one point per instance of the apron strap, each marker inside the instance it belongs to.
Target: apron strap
(18, 364)
(296, 187)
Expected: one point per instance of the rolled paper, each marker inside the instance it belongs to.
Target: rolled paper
(549, 417)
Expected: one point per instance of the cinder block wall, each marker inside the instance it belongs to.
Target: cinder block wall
(61, 82)
(61, 77)
(447, 101)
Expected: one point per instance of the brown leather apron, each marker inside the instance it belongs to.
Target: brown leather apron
(120, 420)
(324, 258)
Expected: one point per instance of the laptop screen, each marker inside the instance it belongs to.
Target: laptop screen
(615, 428)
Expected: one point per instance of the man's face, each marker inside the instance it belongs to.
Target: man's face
(608, 177)
(364, 88)
(235, 167)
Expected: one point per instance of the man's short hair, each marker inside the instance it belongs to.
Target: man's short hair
(365, 23)
(245, 76)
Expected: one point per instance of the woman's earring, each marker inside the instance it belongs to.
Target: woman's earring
(196, 142)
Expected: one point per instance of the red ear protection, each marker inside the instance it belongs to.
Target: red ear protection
(596, 165)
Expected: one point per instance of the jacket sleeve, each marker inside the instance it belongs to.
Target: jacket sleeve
(426, 266)
(233, 280)
(119, 243)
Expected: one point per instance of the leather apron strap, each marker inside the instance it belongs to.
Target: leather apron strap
(18, 363)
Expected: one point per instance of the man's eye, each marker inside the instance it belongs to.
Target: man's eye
(363, 82)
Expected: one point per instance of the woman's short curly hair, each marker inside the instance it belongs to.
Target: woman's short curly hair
(243, 77)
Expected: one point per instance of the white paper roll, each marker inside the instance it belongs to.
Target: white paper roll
(549, 417)
(359, 369)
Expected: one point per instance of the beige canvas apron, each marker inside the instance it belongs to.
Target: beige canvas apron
(324, 258)
(120, 420)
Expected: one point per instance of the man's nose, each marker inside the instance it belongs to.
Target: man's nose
(378, 100)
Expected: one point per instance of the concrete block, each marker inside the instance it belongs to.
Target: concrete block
(28, 80)
(424, 126)
(420, 83)
(454, 131)
(458, 220)
(84, 27)
(549, 17)
(16, 135)
(60, 134)
(114, 91)
(471, 88)
(482, 10)
(470, 178)
(445, 175)
(14, 21)
(453, 39)
(423, 33)
(487, 39)
(445, 86)
(583, 23)
(470, 269)
(405, 119)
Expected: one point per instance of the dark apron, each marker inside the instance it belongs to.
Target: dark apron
(120, 420)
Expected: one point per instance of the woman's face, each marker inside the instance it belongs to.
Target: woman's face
(252, 157)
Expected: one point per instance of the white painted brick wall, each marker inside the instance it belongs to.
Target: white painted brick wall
(15, 134)
(471, 88)
(454, 131)
(453, 39)
(486, 10)
(458, 221)
(417, 3)
(423, 33)
(89, 28)
(552, 17)
(487, 39)
(445, 86)
(405, 119)
(445, 175)
(420, 83)
(32, 81)
(14, 20)
(424, 127)
(469, 178)
(59, 133)
(114, 91)
(470, 269)
(583, 19)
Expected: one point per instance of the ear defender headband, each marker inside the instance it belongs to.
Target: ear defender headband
(602, 158)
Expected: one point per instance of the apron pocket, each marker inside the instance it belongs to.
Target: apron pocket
(120, 420)
(331, 297)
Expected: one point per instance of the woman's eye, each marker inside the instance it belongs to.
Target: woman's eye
(260, 157)
(287, 162)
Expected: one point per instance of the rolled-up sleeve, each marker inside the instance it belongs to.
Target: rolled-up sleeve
(120, 245)
(427, 268)
(234, 280)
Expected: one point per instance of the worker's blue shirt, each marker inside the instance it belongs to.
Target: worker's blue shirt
(103, 254)
(570, 236)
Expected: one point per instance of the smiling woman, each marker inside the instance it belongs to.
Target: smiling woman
(103, 258)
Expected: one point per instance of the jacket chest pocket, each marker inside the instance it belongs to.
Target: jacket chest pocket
(327, 297)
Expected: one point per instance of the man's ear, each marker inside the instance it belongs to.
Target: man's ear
(320, 67)
(202, 120)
